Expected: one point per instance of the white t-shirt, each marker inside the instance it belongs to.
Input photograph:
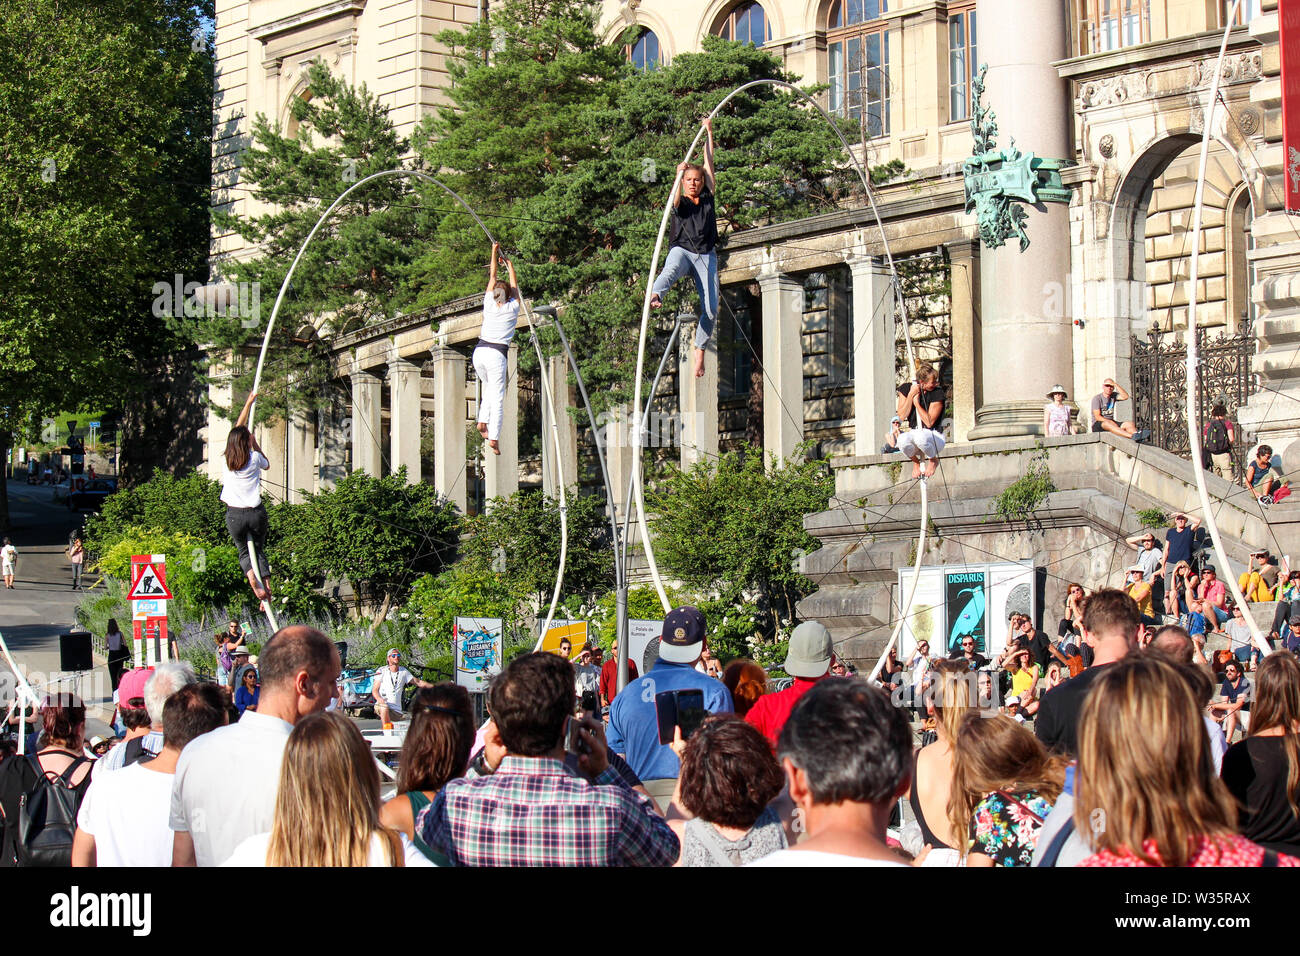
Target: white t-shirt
(818, 858)
(499, 321)
(389, 686)
(226, 783)
(252, 852)
(243, 488)
(126, 813)
(8, 555)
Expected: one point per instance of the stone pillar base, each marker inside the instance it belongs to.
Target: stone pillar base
(1008, 420)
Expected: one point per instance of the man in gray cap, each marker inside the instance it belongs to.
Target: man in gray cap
(808, 660)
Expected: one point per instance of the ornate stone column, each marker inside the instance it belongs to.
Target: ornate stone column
(782, 364)
(367, 423)
(501, 472)
(562, 396)
(404, 417)
(963, 312)
(698, 402)
(1025, 336)
(449, 425)
(874, 323)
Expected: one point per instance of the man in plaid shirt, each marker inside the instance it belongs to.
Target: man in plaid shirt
(531, 811)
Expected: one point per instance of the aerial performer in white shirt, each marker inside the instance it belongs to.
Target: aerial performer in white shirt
(500, 315)
(241, 490)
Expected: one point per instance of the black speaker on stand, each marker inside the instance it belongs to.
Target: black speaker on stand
(75, 653)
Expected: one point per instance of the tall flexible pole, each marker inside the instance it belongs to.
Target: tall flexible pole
(639, 484)
(916, 577)
(284, 288)
(1193, 425)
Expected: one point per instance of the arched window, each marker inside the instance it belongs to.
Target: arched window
(745, 24)
(857, 49)
(643, 52)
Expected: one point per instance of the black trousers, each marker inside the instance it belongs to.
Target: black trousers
(245, 523)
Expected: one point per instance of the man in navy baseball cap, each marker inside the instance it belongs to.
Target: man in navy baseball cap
(633, 725)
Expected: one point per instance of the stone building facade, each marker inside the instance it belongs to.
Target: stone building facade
(808, 344)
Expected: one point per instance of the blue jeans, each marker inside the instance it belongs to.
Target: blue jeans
(703, 268)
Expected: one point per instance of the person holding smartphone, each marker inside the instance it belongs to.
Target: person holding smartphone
(634, 718)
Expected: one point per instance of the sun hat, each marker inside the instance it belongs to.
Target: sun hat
(1057, 389)
(810, 650)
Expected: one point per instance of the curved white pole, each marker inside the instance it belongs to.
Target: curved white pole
(549, 398)
(654, 265)
(284, 287)
(916, 577)
(1193, 430)
(24, 689)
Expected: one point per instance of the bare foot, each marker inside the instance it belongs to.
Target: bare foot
(655, 301)
(916, 468)
(931, 467)
(495, 446)
(699, 363)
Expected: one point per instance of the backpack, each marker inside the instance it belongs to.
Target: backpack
(1216, 437)
(135, 751)
(47, 817)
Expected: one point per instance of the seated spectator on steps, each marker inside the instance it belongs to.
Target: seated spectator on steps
(890, 447)
(1234, 708)
(1139, 589)
(1211, 597)
(1102, 410)
(1259, 583)
(1260, 477)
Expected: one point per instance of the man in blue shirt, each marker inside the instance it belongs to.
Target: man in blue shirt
(633, 726)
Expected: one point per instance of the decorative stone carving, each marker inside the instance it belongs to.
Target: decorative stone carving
(1248, 122)
(1107, 146)
(1185, 78)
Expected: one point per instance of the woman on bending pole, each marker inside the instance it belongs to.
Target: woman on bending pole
(241, 490)
(500, 315)
(693, 244)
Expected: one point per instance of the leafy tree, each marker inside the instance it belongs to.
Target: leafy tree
(358, 266)
(105, 137)
(520, 539)
(380, 534)
(190, 505)
(523, 81)
(734, 528)
(463, 590)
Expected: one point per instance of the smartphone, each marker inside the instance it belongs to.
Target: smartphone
(679, 708)
(573, 742)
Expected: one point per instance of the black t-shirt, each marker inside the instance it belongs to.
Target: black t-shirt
(1038, 647)
(1180, 546)
(1057, 723)
(1255, 771)
(695, 225)
(978, 662)
(928, 399)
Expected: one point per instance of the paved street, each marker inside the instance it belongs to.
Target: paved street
(41, 606)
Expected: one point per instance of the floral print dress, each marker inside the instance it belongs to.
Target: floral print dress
(1005, 826)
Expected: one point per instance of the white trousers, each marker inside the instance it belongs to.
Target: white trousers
(490, 366)
(922, 442)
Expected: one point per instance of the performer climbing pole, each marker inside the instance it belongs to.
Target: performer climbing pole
(241, 491)
(500, 315)
(692, 244)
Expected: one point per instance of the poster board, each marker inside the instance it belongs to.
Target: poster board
(953, 601)
(480, 646)
(575, 631)
(639, 635)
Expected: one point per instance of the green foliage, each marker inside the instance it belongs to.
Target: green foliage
(463, 590)
(105, 121)
(189, 505)
(520, 537)
(1152, 518)
(734, 528)
(1022, 497)
(380, 534)
(199, 575)
(359, 266)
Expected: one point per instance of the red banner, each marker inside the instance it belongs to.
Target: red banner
(1289, 23)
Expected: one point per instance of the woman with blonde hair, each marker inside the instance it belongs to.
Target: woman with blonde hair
(327, 806)
(949, 696)
(747, 682)
(1263, 771)
(1004, 784)
(1146, 789)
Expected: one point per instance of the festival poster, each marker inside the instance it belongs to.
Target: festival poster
(966, 603)
(575, 631)
(639, 636)
(1010, 590)
(925, 617)
(480, 645)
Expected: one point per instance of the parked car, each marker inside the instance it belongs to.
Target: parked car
(91, 497)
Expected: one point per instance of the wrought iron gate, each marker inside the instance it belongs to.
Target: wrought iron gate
(1159, 386)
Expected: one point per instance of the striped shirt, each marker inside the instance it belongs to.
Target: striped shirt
(534, 812)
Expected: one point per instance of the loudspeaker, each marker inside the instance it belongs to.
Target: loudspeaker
(75, 653)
